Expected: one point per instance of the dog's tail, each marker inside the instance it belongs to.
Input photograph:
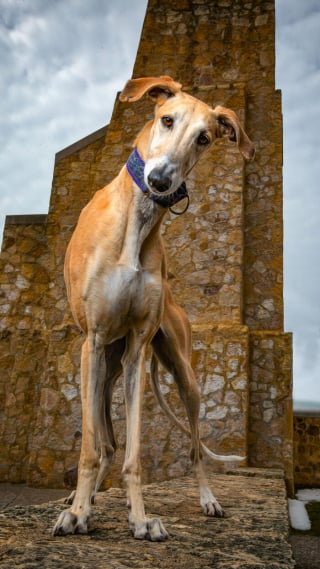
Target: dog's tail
(165, 407)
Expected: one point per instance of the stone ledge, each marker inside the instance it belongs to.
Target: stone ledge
(254, 533)
(82, 143)
(251, 471)
(307, 413)
(28, 219)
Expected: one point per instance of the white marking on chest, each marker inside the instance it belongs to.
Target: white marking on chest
(125, 289)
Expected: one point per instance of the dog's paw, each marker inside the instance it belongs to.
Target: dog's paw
(70, 523)
(209, 504)
(212, 509)
(151, 529)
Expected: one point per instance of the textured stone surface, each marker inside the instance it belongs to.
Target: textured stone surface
(270, 409)
(306, 444)
(306, 551)
(211, 47)
(254, 533)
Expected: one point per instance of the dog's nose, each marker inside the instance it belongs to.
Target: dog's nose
(158, 181)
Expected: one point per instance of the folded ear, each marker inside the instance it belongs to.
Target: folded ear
(158, 88)
(229, 125)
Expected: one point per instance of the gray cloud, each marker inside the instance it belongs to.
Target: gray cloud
(61, 66)
(298, 75)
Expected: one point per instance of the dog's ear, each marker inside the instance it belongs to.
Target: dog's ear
(158, 88)
(229, 125)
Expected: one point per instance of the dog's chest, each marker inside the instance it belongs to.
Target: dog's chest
(123, 298)
(123, 283)
(126, 286)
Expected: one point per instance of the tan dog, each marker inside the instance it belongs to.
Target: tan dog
(115, 272)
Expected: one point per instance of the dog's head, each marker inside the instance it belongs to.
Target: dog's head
(182, 129)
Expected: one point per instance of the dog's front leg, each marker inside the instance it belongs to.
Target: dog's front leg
(75, 519)
(134, 377)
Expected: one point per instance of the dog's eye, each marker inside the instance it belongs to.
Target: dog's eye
(167, 121)
(203, 139)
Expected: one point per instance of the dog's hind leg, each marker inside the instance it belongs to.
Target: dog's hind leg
(172, 346)
(108, 445)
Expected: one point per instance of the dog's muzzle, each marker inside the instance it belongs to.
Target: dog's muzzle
(135, 166)
(158, 181)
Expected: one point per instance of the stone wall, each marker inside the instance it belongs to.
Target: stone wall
(306, 445)
(270, 408)
(224, 52)
(224, 261)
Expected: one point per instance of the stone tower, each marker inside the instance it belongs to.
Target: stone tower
(225, 264)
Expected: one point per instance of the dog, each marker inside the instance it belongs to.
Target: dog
(116, 280)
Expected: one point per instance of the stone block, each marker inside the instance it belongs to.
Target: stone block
(271, 413)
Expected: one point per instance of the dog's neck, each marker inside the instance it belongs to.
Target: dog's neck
(145, 217)
(135, 166)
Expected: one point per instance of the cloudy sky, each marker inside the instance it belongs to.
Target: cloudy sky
(61, 64)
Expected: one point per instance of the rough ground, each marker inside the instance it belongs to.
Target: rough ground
(254, 533)
(306, 551)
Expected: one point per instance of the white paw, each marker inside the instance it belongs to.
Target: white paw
(213, 509)
(151, 529)
(210, 504)
(71, 523)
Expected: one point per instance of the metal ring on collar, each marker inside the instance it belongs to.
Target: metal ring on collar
(184, 210)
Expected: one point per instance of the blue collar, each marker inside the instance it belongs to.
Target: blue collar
(135, 166)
